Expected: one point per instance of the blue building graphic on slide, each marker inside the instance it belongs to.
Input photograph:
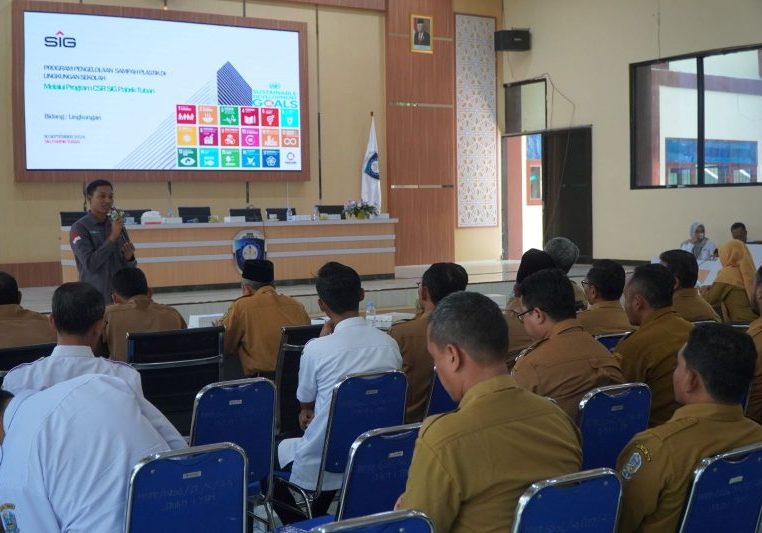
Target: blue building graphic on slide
(232, 89)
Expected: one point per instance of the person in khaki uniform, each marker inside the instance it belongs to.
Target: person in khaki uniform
(686, 299)
(565, 362)
(470, 466)
(754, 408)
(713, 371)
(19, 326)
(732, 288)
(253, 322)
(133, 311)
(603, 286)
(649, 354)
(437, 282)
(565, 253)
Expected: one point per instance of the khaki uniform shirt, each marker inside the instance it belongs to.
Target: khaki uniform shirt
(605, 317)
(736, 306)
(138, 314)
(518, 338)
(417, 364)
(754, 409)
(566, 365)
(657, 465)
(21, 327)
(470, 466)
(252, 327)
(689, 304)
(649, 355)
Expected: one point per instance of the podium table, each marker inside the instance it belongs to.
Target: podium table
(185, 255)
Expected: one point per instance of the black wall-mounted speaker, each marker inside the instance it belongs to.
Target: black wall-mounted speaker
(513, 40)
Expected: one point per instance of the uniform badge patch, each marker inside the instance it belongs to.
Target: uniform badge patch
(76, 239)
(633, 465)
(8, 519)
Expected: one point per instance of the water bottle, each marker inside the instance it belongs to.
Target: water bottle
(315, 213)
(370, 312)
(289, 214)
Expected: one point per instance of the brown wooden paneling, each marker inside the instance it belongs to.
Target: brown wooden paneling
(398, 16)
(425, 231)
(420, 78)
(34, 274)
(369, 5)
(512, 187)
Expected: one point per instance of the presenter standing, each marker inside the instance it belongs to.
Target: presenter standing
(99, 241)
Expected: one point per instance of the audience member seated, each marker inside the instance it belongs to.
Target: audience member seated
(754, 409)
(702, 248)
(68, 452)
(649, 354)
(603, 286)
(565, 253)
(347, 345)
(78, 319)
(437, 282)
(253, 322)
(471, 465)
(133, 311)
(731, 289)
(686, 299)
(713, 371)
(19, 326)
(565, 362)
(532, 261)
(738, 231)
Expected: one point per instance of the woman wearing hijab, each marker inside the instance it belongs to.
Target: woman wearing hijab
(701, 247)
(733, 286)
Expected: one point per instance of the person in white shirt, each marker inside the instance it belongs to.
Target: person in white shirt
(347, 345)
(77, 317)
(66, 454)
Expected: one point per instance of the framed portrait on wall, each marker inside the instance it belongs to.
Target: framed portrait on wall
(421, 34)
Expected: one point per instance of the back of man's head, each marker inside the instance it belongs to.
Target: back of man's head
(474, 323)
(130, 282)
(441, 279)
(532, 261)
(757, 296)
(552, 292)
(76, 308)
(338, 286)
(563, 251)
(683, 266)
(608, 278)
(9, 290)
(737, 226)
(654, 283)
(724, 357)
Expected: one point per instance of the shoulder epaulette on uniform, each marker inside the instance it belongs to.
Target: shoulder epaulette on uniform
(665, 431)
(433, 419)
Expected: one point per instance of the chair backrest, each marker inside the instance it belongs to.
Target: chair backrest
(408, 521)
(174, 366)
(17, 355)
(292, 341)
(68, 218)
(439, 400)
(608, 418)
(610, 340)
(377, 469)
(586, 501)
(280, 212)
(360, 402)
(202, 488)
(331, 210)
(194, 214)
(727, 492)
(241, 412)
(252, 214)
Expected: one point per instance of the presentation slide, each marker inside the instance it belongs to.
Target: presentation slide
(109, 93)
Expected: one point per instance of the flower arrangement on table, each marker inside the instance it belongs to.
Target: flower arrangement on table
(359, 209)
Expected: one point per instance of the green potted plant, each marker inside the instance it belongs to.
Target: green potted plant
(359, 209)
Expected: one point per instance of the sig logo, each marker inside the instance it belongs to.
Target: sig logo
(59, 40)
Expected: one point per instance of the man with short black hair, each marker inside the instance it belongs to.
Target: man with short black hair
(133, 311)
(713, 373)
(649, 354)
(738, 231)
(77, 317)
(471, 465)
(347, 345)
(754, 409)
(565, 362)
(19, 326)
(99, 240)
(603, 287)
(439, 280)
(686, 300)
(565, 253)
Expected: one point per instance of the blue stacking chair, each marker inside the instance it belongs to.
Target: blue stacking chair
(392, 522)
(608, 419)
(202, 488)
(610, 340)
(359, 403)
(586, 501)
(241, 412)
(727, 492)
(439, 400)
